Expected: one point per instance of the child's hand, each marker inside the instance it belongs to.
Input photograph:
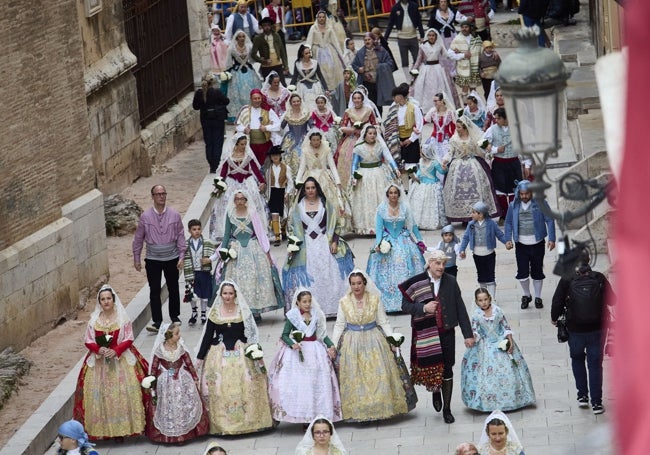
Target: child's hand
(462, 255)
(206, 261)
(296, 346)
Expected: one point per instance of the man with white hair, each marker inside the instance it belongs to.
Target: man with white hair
(434, 301)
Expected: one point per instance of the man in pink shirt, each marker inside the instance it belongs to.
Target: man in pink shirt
(161, 228)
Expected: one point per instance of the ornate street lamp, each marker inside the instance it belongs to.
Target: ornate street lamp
(533, 80)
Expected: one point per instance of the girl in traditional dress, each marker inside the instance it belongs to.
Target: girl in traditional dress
(218, 50)
(499, 436)
(425, 195)
(178, 414)
(474, 110)
(320, 439)
(297, 121)
(276, 94)
(468, 177)
(374, 382)
(241, 171)
(395, 225)
(353, 121)
(443, 119)
(317, 162)
(324, 120)
(493, 378)
(109, 401)
(444, 18)
(253, 268)
(349, 53)
(307, 77)
(244, 76)
(304, 365)
(235, 386)
(327, 49)
(324, 259)
(432, 77)
(373, 168)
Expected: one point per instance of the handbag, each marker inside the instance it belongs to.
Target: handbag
(562, 331)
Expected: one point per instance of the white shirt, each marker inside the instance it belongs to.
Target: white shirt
(419, 120)
(256, 114)
(408, 29)
(231, 20)
(278, 13)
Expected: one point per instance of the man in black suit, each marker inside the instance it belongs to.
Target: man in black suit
(405, 17)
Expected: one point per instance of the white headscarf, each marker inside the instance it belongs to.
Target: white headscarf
(318, 322)
(232, 50)
(229, 147)
(513, 444)
(475, 133)
(404, 207)
(211, 446)
(250, 328)
(371, 287)
(307, 442)
(158, 348)
(324, 143)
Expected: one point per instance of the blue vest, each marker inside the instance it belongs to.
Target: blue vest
(238, 24)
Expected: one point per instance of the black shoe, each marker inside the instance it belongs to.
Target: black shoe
(437, 401)
(153, 328)
(598, 409)
(177, 321)
(538, 303)
(448, 416)
(525, 300)
(583, 402)
(203, 318)
(192, 320)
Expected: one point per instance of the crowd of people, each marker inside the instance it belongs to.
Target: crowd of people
(334, 151)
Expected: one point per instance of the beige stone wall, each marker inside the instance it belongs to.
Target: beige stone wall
(43, 118)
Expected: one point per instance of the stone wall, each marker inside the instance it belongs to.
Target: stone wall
(44, 136)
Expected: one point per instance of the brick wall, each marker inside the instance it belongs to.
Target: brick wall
(43, 117)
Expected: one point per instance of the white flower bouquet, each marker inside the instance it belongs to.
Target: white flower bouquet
(220, 187)
(414, 73)
(255, 353)
(225, 76)
(358, 125)
(149, 383)
(504, 345)
(227, 254)
(291, 88)
(483, 143)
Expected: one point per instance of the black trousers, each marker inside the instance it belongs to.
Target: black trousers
(485, 266)
(530, 260)
(213, 134)
(448, 345)
(155, 270)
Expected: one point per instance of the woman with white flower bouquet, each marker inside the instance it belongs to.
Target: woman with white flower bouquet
(374, 382)
(394, 223)
(241, 171)
(236, 389)
(249, 262)
(304, 363)
(432, 76)
(494, 374)
(109, 401)
(373, 167)
(324, 259)
(177, 414)
(354, 119)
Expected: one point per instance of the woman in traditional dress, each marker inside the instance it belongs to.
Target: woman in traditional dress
(468, 177)
(109, 401)
(244, 76)
(443, 119)
(235, 386)
(443, 19)
(324, 120)
(320, 439)
(474, 110)
(253, 268)
(432, 77)
(374, 382)
(353, 121)
(373, 168)
(317, 162)
(499, 436)
(493, 378)
(324, 259)
(241, 171)
(297, 121)
(327, 49)
(305, 365)
(276, 94)
(177, 414)
(395, 226)
(425, 195)
(308, 77)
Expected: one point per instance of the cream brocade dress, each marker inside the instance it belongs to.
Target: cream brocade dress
(371, 383)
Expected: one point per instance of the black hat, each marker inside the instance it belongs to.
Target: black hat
(275, 150)
(267, 20)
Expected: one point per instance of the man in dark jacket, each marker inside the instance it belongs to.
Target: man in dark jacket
(269, 51)
(405, 17)
(532, 12)
(434, 301)
(585, 334)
